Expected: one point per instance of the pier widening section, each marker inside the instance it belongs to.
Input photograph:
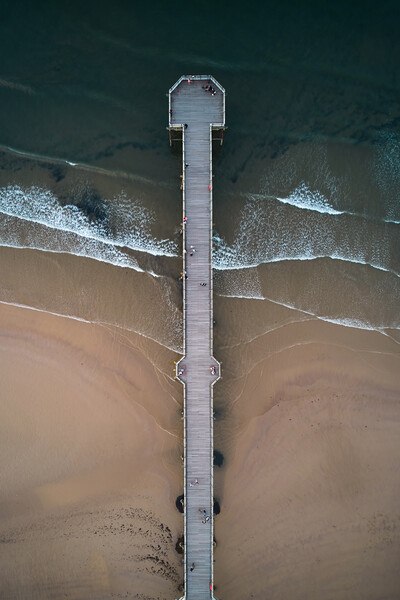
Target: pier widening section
(195, 112)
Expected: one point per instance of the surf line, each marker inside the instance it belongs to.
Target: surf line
(301, 204)
(104, 324)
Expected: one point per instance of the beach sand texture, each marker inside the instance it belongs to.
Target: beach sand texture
(310, 493)
(90, 460)
(89, 463)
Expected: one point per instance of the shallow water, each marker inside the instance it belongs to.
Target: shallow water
(307, 183)
(309, 170)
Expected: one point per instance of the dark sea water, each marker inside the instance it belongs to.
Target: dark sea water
(307, 184)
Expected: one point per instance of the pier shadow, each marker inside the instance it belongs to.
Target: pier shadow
(218, 458)
(180, 505)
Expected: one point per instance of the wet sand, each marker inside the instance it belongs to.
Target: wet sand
(309, 424)
(90, 464)
(307, 418)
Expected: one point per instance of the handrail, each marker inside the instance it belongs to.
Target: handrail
(198, 78)
(184, 349)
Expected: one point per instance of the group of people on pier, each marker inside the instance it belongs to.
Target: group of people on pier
(209, 88)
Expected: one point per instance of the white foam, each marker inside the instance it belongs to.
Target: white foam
(314, 201)
(221, 266)
(391, 221)
(266, 234)
(386, 167)
(304, 197)
(116, 260)
(247, 281)
(343, 321)
(91, 239)
(11, 85)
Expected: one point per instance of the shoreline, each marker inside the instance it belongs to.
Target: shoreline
(89, 455)
(309, 424)
(92, 436)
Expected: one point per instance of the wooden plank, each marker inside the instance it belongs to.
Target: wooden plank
(195, 111)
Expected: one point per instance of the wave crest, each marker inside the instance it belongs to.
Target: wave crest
(116, 226)
(304, 197)
(273, 233)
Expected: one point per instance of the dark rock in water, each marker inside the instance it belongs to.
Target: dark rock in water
(92, 205)
(218, 458)
(180, 502)
(217, 507)
(58, 173)
(180, 545)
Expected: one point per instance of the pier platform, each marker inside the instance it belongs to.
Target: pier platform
(196, 112)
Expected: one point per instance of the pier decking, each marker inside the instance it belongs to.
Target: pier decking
(195, 113)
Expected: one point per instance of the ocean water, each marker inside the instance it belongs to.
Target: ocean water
(307, 184)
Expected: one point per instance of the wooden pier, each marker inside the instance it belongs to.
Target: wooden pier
(196, 114)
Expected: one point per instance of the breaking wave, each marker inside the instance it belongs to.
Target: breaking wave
(304, 197)
(273, 233)
(343, 321)
(173, 348)
(387, 172)
(115, 226)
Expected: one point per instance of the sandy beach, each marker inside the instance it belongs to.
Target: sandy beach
(307, 419)
(90, 464)
(310, 491)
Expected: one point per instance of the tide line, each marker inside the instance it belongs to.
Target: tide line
(236, 266)
(82, 320)
(84, 166)
(122, 265)
(44, 206)
(320, 208)
(344, 322)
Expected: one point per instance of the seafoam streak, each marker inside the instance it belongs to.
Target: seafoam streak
(68, 229)
(269, 232)
(102, 323)
(221, 265)
(343, 321)
(303, 197)
(81, 166)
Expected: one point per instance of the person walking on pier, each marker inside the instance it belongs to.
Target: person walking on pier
(192, 567)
